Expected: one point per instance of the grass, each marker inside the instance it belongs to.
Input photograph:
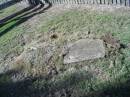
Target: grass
(89, 76)
(8, 11)
(97, 23)
(5, 79)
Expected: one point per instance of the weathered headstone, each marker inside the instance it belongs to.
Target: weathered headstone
(85, 49)
(128, 45)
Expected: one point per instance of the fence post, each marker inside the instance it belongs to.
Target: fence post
(112, 1)
(125, 3)
(100, 1)
(129, 2)
(120, 2)
(116, 1)
(104, 1)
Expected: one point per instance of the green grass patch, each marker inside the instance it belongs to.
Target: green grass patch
(97, 23)
(106, 73)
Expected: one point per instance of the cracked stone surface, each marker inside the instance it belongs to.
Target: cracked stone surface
(85, 49)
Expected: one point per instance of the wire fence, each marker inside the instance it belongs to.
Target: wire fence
(6, 3)
(107, 2)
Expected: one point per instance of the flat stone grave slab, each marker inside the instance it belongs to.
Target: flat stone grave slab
(85, 49)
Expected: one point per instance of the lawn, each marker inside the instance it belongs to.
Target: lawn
(105, 77)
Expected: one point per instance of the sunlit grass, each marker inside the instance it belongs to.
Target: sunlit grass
(73, 25)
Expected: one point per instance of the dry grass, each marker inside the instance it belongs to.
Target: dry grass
(59, 29)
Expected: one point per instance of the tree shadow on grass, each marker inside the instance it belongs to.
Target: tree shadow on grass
(17, 18)
(122, 90)
(42, 87)
(8, 4)
(113, 90)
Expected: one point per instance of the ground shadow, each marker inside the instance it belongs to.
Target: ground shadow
(8, 4)
(115, 90)
(41, 87)
(121, 90)
(21, 16)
